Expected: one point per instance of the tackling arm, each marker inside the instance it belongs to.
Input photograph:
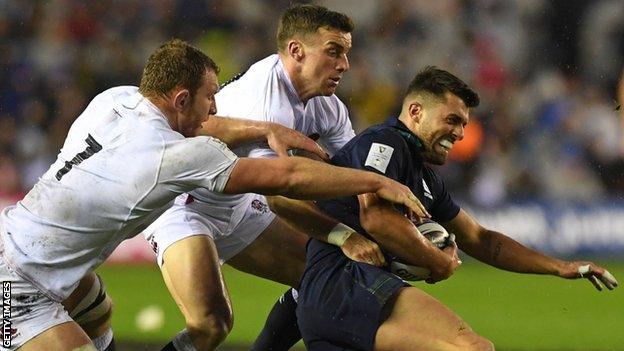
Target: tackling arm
(501, 251)
(397, 234)
(235, 132)
(306, 217)
(301, 178)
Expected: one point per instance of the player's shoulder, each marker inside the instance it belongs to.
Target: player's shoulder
(197, 152)
(199, 144)
(116, 94)
(383, 133)
(377, 137)
(258, 73)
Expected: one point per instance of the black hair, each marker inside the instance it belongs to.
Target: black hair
(437, 82)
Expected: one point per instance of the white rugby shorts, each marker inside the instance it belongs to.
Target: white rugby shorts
(232, 227)
(31, 311)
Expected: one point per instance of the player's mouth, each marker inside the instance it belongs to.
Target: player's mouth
(445, 145)
(333, 81)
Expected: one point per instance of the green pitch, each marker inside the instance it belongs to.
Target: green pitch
(517, 312)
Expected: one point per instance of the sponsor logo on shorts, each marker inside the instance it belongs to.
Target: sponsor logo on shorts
(260, 206)
(7, 331)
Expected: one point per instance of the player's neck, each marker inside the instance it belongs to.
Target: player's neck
(304, 91)
(407, 120)
(165, 107)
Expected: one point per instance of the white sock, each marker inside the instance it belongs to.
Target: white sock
(102, 341)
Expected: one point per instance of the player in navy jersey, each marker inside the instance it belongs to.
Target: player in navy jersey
(347, 305)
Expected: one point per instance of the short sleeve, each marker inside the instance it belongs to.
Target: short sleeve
(197, 162)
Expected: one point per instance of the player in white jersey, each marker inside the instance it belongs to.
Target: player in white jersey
(125, 157)
(294, 88)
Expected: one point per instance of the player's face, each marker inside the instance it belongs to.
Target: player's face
(200, 107)
(441, 126)
(325, 60)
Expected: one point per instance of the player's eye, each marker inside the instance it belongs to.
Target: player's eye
(333, 53)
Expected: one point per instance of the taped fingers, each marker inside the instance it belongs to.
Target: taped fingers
(594, 280)
(597, 276)
(608, 280)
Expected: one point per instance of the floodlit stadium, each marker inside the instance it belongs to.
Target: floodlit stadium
(541, 160)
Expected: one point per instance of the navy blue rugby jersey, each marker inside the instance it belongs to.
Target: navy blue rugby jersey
(393, 150)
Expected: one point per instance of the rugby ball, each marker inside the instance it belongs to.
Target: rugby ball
(438, 237)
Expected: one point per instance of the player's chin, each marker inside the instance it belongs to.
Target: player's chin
(330, 90)
(436, 158)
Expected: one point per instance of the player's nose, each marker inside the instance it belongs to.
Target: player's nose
(458, 132)
(343, 64)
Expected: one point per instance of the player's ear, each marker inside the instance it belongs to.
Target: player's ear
(295, 50)
(181, 99)
(415, 110)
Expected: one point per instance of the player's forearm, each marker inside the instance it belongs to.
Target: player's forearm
(309, 179)
(397, 235)
(304, 216)
(300, 178)
(501, 251)
(235, 132)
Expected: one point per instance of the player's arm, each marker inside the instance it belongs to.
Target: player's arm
(235, 132)
(503, 252)
(305, 216)
(398, 235)
(301, 178)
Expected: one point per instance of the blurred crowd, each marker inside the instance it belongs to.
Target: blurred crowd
(548, 127)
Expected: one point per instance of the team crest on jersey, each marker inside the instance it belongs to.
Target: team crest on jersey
(260, 206)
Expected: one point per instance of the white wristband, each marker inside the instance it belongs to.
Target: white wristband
(339, 234)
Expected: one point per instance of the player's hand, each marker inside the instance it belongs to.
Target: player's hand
(442, 273)
(360, 249)
(398, 193)
(281, 139)
(592, 272)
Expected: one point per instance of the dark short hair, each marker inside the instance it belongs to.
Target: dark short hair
(437, 82)
(175, 63)
(307, 19)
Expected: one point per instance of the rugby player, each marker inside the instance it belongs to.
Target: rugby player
(126, 156)
(347, 305)
(294, 88)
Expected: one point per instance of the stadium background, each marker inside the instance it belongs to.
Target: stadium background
(542, 159)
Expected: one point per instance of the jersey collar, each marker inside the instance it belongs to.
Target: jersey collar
(407, 134)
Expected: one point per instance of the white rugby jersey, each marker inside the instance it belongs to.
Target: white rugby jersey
(121, 161)
(265, 93)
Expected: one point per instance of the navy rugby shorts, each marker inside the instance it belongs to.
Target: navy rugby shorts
(340, 301)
